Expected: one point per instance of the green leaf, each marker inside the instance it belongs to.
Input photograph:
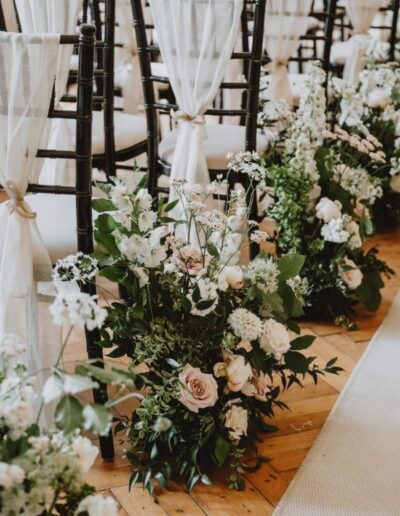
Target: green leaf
(107, 241)
(154, 452)
(134, 478)
(303, 342)
(205, 480)
(160, 479)
(296, 362)
(290, 265)
(143, 182)
(212, 249)
(102, 205)
(221, 450)
(171, 205)
(111, 377)
(68, 414)
(105, 223)
(113, 273)
(97, 419)
(193, 479)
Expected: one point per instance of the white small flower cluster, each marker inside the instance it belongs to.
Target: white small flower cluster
(259, 236)
(368, 145)
(358, 182)
(246, 163)
(341, 230)
(245, 324)
(299, 286)
(82, 310)
(74, 268)
(263, 273)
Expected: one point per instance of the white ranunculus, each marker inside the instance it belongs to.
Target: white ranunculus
(352, 276)
(235, 369)
(275, 339)
(97, 505)
(230, 277)
(85, 453)
(327, 210)
(236, 421)
(378, 99)
(395, 183)
(10, 474)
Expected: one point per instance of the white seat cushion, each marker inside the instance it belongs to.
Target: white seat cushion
(313, 23)
(339, 52)
(56, 219)
(220, 140)
(128, 131)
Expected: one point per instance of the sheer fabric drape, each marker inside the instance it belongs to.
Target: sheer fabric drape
(56, 17)
(361, 13)
(127, 67)
(27, 69)
(285, 22)
(196, 40)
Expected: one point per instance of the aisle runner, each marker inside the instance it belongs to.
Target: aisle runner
(353, 468)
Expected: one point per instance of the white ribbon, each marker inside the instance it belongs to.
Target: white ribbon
(17, 202)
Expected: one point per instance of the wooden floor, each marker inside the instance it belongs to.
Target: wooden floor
(287, 447)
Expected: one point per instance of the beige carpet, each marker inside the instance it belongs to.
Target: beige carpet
(353, 469)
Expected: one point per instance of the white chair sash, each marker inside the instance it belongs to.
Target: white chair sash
(361, 13)
(285, 22)
(27, 68)
(56, 17)
(196, 40)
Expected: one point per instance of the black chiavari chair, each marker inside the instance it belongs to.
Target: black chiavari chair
(247, 137)
(78, 216)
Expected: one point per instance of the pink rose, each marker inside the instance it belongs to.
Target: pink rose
(190, 259)
(235, 369)
(351, 274)
(200, 390)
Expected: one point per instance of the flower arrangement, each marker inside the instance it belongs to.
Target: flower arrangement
(372, 110)
(42, 471)
(320, 187)
(209, 340)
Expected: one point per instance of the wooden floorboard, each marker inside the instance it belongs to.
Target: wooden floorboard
(286, 448)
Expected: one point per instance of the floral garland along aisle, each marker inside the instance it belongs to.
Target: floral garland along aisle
(319, 186)
(210, 342)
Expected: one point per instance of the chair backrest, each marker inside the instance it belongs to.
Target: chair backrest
(250, 56)
(8, 16)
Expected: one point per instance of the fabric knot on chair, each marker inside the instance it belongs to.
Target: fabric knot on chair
(17, 202)
(178, 116)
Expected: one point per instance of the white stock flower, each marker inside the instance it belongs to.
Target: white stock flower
(10, 474)
(335, 231)
(327, 210)
(85, 453)
(275, 339)
(245, 324)
(236, 420)
(97, 505)
(81, 309)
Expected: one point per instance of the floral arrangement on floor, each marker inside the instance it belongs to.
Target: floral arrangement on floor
(374, 109)
(319, 186)
(209, 340)
(43, 456)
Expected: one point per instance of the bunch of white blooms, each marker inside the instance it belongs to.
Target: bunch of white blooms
(81, 309)
(335, 231)
(246, 163)
(263, 273)
(245, 324)
(76, 267)
(358, 183)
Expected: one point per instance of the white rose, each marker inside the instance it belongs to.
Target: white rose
(328, 210)
(353, 276)
(85, 453)
(235, 369)
(378, 99)
(395, 183)
(230, 277)
(10, 474)
(275, 339)
(236, 420)
(97, 505)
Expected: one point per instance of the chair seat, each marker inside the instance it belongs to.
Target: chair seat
(129, 130)
(297, 85)
(220, 140)
(56, 219)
